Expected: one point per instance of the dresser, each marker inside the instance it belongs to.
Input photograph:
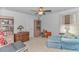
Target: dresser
(21, 36)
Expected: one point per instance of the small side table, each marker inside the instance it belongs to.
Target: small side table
(47, 34)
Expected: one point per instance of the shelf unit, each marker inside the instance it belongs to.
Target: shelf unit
(7, 27)
(37, 28)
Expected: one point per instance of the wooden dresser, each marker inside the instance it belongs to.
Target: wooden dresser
(21, 36)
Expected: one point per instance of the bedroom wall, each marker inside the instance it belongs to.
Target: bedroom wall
(53, 21)
(20, 19)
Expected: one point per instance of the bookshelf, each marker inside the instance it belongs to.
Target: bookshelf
(7, 27)
(37, 28)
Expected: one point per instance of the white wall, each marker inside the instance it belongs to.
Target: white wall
(53, 22)
(20, 19)
(50, 22)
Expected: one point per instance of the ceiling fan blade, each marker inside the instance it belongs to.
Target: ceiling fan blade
(47, 11)
(41, 11)
(34, 10)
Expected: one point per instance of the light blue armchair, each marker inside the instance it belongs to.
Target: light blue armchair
(63, 43)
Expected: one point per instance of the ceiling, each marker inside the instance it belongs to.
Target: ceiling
(28, 10)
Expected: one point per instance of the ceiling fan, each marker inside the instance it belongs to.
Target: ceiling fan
(41, 11)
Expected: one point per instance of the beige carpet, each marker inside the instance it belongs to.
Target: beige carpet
(39, 45)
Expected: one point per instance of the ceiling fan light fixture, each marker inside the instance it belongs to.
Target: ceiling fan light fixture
(40, 13)
(41, 9)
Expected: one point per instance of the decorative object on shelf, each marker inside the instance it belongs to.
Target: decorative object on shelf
(1, 38)
(20, 27)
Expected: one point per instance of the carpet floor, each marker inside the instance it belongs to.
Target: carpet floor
(39, 45)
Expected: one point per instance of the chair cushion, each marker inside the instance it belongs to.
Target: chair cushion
(54, 39)
(54, 45)
(18, 45)
(8, 48)
(70, 40)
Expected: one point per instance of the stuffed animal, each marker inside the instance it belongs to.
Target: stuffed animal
(2, 38)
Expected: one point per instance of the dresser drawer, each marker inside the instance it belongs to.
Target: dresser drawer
(22, 36)
(17, 35)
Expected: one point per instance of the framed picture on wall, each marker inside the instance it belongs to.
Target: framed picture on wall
(68, 19)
